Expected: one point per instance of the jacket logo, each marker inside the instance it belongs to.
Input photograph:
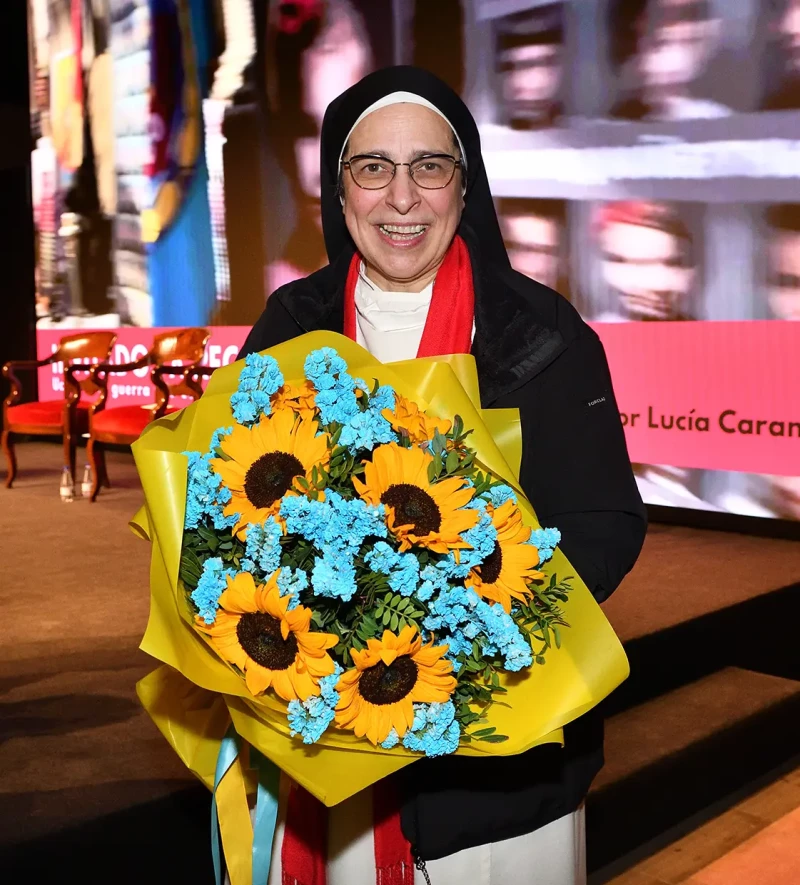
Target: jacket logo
(595, 402)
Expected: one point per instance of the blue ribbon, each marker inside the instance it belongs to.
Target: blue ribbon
(228, 751)
(266, 815)
(266, 808)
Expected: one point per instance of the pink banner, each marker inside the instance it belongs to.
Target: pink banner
(132, 343)
(720, 396)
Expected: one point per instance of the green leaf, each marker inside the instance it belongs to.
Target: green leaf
(484, 732)
(387, 616)
(494, 738)
(451, 462)
(394, 622)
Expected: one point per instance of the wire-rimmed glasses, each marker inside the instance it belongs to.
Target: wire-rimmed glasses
(374, 172)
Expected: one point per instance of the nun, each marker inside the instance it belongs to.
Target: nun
(417, 268)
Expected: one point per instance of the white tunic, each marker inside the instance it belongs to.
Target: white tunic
(390, 324)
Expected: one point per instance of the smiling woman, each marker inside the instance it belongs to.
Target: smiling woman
(402, 218)
(418, 269)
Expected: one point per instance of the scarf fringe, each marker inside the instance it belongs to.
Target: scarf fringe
(397, 874)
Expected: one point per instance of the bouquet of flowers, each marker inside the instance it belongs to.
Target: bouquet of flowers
(347, 576)
(345, 552)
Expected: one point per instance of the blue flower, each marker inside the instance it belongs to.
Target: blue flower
(435, 731)
(546, 541)
(334, 575)
(498, 495)
(292, 582)
(402, 569)
(337, 402)
(434, 579)
(310, 718)
(460, 612)
(365, 430)
(337, 528)
(334, 523)
(205, 495)
(212, 584)
(263, 547)
(392, 740)
(450, 609)
(482, 537)
(260, 378)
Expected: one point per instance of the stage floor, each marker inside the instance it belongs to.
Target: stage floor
(88, 780)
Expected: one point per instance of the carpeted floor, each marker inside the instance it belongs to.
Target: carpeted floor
(90, 787)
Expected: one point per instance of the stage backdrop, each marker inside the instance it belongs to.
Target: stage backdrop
(644, 154)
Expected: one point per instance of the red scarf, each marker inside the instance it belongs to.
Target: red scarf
(448, 329)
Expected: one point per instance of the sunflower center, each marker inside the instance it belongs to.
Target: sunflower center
(414, 507)
(259, 635)
(270, 477)
(387, 685)
(492, 565)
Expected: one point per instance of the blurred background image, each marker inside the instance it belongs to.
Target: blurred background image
(670, 45)
(534, 232)
(641, 154)
(531, 66)
(648, 263)
(314, 52)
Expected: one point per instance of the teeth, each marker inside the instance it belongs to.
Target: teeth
(404, 229)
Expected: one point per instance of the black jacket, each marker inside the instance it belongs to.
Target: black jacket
(534, 353)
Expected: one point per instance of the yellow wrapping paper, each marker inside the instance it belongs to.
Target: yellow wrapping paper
(195, 698)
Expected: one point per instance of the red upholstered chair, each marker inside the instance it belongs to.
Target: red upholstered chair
(67, 417)
(123, 425)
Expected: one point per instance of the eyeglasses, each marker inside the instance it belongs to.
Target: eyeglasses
(431, 172)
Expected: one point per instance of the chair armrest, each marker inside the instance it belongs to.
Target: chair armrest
(9, 371)
(12, 365)
(119, 368)
(187, 386)
(72, 387)
(192, 376)
(202, 370)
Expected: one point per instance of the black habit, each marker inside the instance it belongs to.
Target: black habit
(534, 353)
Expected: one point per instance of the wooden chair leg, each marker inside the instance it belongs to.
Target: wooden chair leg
(11, 457)
(101, 460)
(94, 452)
(70, 453)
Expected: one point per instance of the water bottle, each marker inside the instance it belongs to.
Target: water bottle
(86, 484)
(66, 491)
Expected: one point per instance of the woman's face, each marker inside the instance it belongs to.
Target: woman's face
(423, 222)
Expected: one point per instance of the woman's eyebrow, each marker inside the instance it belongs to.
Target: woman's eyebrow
(416, 155)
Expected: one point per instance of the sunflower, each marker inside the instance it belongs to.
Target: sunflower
(505, 574)
(419, 426)
(273, 646)
(297, 398)
(391, 675)
(265, 461)
(418, 511)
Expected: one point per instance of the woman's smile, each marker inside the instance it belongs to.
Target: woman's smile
(402, 236)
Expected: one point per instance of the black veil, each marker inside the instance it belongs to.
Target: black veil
(479, 222)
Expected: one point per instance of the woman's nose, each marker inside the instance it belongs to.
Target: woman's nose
(402, 193)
